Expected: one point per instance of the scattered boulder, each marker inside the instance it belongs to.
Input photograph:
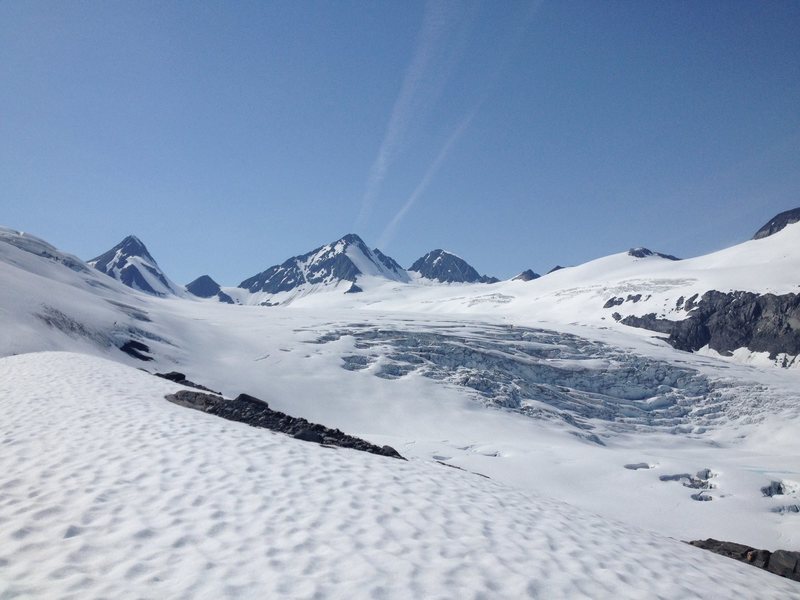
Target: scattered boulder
(308, 435)
(637, 466)
(775, 488)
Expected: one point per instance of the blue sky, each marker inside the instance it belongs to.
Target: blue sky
(232, 135)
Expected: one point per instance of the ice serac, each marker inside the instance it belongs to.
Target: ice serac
(132, 264)
(778, 222)
(205, 287)
(527, 275)
(445, 267)
(346, 259)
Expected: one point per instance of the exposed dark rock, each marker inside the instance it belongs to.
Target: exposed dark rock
(181, 378)
(781, 562)
(645, 252)
(613, 301)
(225, 298)
(775, 488)
(354, 289)
(203, 287)
(728, 321)
(255, 412)
(637, 466)
(445, 267)
(778, 222)
(527, 275)
(556, 268)
(308, 435)
(136, 350)
(388, 262)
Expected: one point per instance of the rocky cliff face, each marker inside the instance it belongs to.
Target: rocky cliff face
(778, 222)
(727, 321)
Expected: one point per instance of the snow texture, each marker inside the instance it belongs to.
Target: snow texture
(110, 491)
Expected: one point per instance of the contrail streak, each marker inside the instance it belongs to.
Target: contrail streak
(424, 79)
(505, 54)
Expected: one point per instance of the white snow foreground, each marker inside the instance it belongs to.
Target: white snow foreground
(108, 490)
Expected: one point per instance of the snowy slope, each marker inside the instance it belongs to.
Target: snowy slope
(525, 382)
(110, 491)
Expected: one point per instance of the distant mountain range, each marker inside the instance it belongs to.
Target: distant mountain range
(347, 265)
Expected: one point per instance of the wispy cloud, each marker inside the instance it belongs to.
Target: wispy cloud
(505, 53)
(439, 47)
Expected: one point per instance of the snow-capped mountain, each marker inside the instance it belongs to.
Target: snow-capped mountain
(132, 264)
(445, 267)
(347, 260)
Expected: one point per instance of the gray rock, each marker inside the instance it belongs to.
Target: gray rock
(255, 412)
(308, 435)
(775, 488)
(728, 321)
(781, 562)
(778, 222)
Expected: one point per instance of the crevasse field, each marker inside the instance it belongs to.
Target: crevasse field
(529, 388)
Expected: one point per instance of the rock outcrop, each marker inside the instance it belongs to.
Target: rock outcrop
(727, 321)
(781, 562)
(253, 411)
(778, 222)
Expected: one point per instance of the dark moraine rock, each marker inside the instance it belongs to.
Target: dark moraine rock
(778, 222)
(781, 562)
(255, 412)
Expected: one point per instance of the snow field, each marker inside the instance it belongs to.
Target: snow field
(110, 491)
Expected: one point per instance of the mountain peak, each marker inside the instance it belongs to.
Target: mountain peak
(778, 222)
(346, 259)
(526, 275)
(132, 264)
(446, 267)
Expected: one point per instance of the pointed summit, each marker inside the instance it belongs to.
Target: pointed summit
(346, 259)
(446, 267)
(527, 275)
(132, 264)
